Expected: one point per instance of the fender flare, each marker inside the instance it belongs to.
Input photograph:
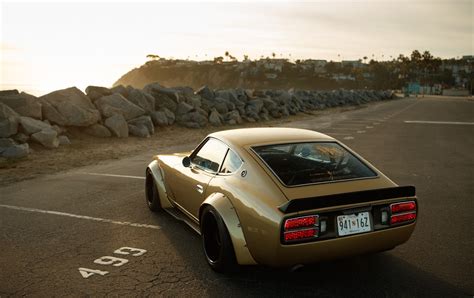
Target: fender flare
(157, 174)
(227, 211)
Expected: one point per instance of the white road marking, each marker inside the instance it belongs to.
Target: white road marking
(123, 223)
(439, 122)
(361, 131)
(348, 138)
(109, 260)
(113, 175)
(369, 127)
(127, 251)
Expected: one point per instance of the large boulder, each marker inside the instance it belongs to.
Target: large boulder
(206, 93)
(233, 117)
(30, 125)
(222, 105)
(6, 142)
(138, 131)
(159, 118)
(23, 103)
(117, 125)
(9, 149)
(64, 140)
(255, 105)
(120, 89)
(69, 107)
(170, 115)
(47, 137)
(229, 94)
(21, 138)
(193, 119)
(117, 104)
(142, 99)
(269, 104)
(157, 90)
(215, 119)
(98, 130)
(163, 101)
(143, 121)
(8, 121)
(96, 92)
(183, 108)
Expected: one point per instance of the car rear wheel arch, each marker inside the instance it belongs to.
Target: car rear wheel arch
(229, 216)
(151, 192)
(216, 241)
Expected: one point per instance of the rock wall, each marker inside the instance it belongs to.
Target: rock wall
(124, 111)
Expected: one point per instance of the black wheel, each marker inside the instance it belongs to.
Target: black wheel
(216, 242)
(152, 197)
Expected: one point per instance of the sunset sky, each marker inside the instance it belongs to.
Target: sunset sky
(51, 45)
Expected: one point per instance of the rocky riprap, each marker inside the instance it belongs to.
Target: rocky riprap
(124, 111)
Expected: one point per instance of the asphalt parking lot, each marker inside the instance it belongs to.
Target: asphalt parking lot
(88, 231)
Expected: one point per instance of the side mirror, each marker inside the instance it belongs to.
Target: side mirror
(186, 161)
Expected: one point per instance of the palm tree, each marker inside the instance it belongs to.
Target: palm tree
(152, 56)
(273, 55)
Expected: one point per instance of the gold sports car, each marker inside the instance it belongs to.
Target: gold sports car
(280, 197)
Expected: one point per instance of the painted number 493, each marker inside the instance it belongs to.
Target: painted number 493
(113, 261)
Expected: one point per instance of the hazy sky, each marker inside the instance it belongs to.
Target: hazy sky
(51, 45)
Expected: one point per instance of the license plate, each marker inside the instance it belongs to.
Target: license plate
(353, 224)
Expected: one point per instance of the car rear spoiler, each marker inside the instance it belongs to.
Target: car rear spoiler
(347, 198)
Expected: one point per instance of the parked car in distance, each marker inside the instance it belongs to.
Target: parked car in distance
(280, 197)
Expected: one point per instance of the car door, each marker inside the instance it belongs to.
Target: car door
(191, 185)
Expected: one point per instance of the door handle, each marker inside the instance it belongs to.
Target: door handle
(199, 188)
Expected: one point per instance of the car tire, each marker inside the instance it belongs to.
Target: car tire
(151, 192)
(216, 242)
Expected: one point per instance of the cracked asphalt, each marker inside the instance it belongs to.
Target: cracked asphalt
(53, 225)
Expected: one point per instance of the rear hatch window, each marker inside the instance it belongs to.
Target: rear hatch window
(313, 162)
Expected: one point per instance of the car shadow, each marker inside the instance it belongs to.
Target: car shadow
(381, 275)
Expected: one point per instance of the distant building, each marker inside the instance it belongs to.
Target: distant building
(353, 63)
(272, 64)
(314, 64)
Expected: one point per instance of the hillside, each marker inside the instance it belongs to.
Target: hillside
(271, 73)
(262, 74)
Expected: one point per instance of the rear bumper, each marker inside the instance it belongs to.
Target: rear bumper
(311, 252)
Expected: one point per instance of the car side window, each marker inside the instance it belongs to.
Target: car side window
(210, 155)
(231, 163)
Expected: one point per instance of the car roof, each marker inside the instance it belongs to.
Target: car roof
(268, 135)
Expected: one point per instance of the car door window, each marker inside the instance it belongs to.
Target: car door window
(210, 155)
(231, 163)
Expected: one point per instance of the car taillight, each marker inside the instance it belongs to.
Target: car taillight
(301, 228)
(301, 222)
(301, 234)
(402, 212)
(401, 207)
(402, 218)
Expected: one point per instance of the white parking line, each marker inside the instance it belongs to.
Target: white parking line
(113, 175)
(123, 223)
(439, 122)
